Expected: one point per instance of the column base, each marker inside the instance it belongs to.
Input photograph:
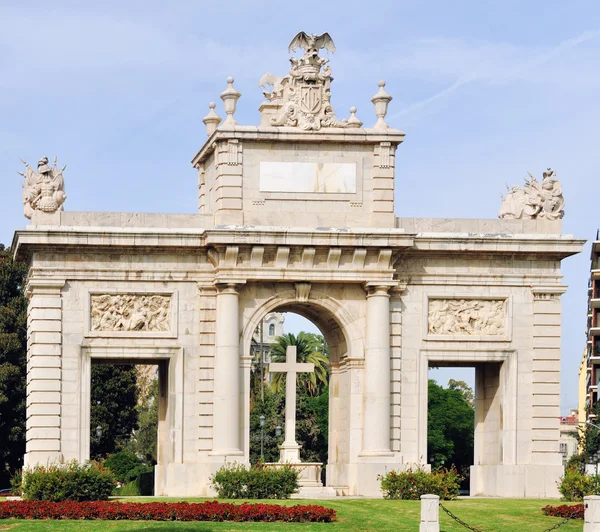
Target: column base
(516, 480)
(289, 453)
(369, 466)
(226, 452)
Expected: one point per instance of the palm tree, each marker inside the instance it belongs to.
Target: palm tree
(310, 348)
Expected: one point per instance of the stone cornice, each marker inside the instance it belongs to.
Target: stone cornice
(559, 246)
(290, 134)
(260, 239)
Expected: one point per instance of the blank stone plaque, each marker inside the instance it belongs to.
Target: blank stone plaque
(328, 178)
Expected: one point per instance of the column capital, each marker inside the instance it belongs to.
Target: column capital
(229, 287)
(550, 292)
(44, 286)
(373, 288)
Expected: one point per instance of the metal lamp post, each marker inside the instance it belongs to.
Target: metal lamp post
(262, 437)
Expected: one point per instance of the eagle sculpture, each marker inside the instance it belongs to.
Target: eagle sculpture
(311, 41)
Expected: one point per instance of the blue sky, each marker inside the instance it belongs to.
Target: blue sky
(486, 91)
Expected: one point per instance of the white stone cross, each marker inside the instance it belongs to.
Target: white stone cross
(290, 450)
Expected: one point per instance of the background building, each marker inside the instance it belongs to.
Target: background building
(265, 336)
(568, 435)
(592, 354)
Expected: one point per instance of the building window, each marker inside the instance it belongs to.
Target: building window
(271, 330)
(563, 448)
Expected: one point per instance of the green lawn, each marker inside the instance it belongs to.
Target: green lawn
(488, 515)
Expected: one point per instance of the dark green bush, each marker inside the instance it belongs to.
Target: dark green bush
(574, 485)
(577, 461)
(126, 466)
(234, 481)
(69, 481)
(145, 483)
(411, 484)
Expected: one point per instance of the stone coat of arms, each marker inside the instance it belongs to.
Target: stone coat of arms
(304, 95)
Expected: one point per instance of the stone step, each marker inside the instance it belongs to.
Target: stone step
(322, 492)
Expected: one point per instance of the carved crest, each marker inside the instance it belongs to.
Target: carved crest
(310, 99)
(302, 98)
(43, 190)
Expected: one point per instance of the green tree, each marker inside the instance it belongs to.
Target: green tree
(450, 427)
(114, 399)
(465, 389)
(143, 441)
(13, 363)
(309, 348)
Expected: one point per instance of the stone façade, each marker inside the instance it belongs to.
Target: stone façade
(391, 295)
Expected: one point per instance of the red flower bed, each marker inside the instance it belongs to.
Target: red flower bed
(575, 511)
(164, 511)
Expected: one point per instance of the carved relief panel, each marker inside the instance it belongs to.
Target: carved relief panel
(132, 314)
(467, 318)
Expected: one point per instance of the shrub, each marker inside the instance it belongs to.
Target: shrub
(126, 466)
(234, 481)
(576, 461)
(574, 486)
(411, 484)
(70, 481)
(163, 511)
(574, 511)
(145, 483)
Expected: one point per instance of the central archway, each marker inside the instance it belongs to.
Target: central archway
(342, 332)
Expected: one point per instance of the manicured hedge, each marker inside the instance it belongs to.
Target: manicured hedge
(234, 481)
(67, 482)
(412, 483)
(574, 511)
(164, 511)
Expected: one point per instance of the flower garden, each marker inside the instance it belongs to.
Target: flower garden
(165, 511)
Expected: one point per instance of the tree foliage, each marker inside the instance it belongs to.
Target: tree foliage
(463, 388)
(310, 348)
(114, 398)
(13, 362)
(450, 427)
(144, 438)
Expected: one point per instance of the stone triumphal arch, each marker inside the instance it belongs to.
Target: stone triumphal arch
(297, 214)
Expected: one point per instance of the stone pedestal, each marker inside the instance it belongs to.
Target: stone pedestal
(309, 473)
(430, 513)
(289, 452)
(518, 480)
(591, 518)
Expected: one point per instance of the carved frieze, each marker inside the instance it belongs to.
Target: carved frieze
(131, 312)
(482, 317)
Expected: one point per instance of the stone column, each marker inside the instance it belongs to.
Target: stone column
(226, 418)
(376, 434)
(44, 351)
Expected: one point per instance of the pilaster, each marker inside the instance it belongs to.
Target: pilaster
(206, 365)
(546, 374)
(228, 182)
(383, 184)
(44, 371)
